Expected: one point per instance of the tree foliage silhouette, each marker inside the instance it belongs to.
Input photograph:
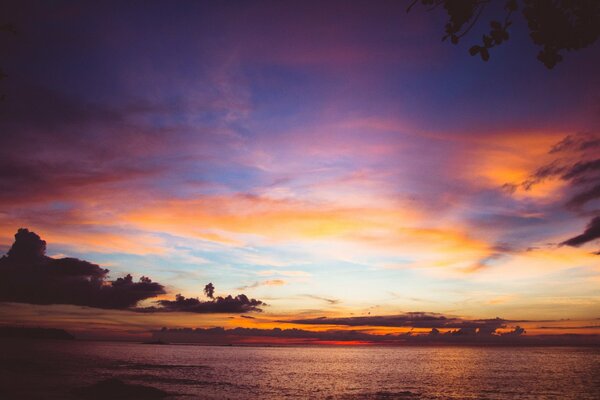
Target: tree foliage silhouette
(554, 25)
(209, 290)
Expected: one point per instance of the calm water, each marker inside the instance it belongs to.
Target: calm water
(49, 370)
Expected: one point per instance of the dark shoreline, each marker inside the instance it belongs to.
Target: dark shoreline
(14, 332)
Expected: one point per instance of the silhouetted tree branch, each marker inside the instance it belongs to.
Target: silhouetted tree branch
(554, 25)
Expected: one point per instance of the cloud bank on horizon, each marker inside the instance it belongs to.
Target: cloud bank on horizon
(353, 165)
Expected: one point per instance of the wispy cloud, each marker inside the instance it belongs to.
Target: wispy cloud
(269, 282)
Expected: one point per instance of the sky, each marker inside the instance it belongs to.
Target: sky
(329, 160)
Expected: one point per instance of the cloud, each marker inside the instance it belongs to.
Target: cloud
(592, 232)
(582, 198)
(569, 327)
(325, 299)
(489, 259)
(410, 319)
(269, 282)
(287, 273)
(574, 163)
(518, 331)
(578, 172)
(462, 336)
(229, 304)
(576, 142)
(27, 275)
(79, 152)
(577, 164)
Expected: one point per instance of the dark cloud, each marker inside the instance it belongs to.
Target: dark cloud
(577, 142)
(582, 198)
(542, 173)
(325, 299)
(222, 335)
(578, 164)
(62, 147)
(462, 336)
(229, 304)
(581, 169)
(578, 172)
(411, 319)
(574, 163)
(518, 331)
(54, 145)
(565, 328)
(27, 275)
(592, 232)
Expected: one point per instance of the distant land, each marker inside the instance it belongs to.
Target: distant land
(15, 332)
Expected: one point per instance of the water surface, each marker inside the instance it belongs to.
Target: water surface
(51, 369)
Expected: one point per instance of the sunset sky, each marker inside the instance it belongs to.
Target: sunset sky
(330, 159)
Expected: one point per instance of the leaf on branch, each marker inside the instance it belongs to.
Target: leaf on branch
(474, 50)
(485, 54)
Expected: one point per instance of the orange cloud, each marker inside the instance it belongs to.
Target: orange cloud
(82, 240)
(347, 231)
(511, 158)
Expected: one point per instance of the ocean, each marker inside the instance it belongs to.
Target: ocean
(53, 369)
